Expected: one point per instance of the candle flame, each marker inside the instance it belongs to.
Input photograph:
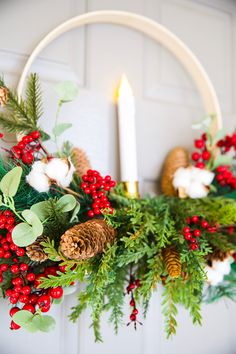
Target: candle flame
(124, 88)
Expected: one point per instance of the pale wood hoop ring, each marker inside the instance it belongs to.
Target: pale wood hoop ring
(153, 30)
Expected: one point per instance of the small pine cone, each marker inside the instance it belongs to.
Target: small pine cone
(85, 240)
(4, 92)
(80, 161)
(172, 261)
(35, 251)
(177, 157)
(217, 255)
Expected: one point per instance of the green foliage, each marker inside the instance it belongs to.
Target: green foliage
(23, 115)
(9, 184)
(34, 322)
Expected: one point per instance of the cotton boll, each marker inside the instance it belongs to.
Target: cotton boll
(206, 177)
(196, 190)
(182, 178)
(60, 170)
(222, 267)
(38, 181)
(39, 166)
(213, 277)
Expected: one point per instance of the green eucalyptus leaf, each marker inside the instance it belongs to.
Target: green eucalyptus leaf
(23, 235)
(25, 319)
(61, 128)
(67, 91)
(75, 212)
(222, 160)
(44, 323)
(67, 203)
(10, 182)
(58, 301)
(44, 136)
(41, 210)
(34, 221)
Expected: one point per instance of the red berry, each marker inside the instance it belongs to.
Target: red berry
(206, 155)
(14, 326)
(132, 302)
(8, 292)
(200, 165)
(90, 213)
(13, 300)
(85, 178)
(26, 290)
(25, 140)
(29, 307)
(7, 255)
(204, 224)
(17, 289)
(30, 276)
(188, 236)
(97, 211)
(44, 301)
(10, 220)
(14, 269)
(27, 158)
(195, 219)
(62, 268)
(196, 156)
(13, 310)
(45, 309)
(186, 230)
(24, 267)
(199, 143)
(194, 246)
(87, 191)
(33, 299)
(20, 252)
(56, 293)
(4, 267)
(24, 298)
(197, 233)
(135, 311)
(204, 137)
(35, 135)
(138, 283)
(132, 317)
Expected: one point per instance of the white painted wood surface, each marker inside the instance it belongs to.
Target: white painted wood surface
(167, 104)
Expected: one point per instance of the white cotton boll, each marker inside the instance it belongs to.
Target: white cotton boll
(196, 190)
(206, 177)
(60, 170)
(57, 169)
(222, 267)
(39, 166)
(38, 181)
(213, 277)
(182, 178)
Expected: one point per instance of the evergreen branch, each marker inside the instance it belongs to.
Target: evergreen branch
(34, 98)
(169, 308)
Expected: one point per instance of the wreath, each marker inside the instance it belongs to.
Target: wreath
(62, 224)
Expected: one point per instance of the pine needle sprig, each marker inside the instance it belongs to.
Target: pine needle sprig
(34, 104)
(169, 309)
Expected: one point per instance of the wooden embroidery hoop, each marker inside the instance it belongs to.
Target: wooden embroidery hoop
(153, 30)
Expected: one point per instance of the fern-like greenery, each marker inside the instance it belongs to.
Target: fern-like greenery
(23, 115)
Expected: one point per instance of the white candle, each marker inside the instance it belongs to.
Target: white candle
(127, 134)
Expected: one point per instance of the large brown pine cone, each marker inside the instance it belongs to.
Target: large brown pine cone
(85, 240)
(35, 251)
(4, 92)
(80, 161)
(177, 157)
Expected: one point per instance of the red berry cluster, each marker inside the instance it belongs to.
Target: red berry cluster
(193, 230)
(130, 289)
(201, 157)
(97, 186)
(225, 177)
(25, 149)
(25, 290)
(7, 247)
(228, 143)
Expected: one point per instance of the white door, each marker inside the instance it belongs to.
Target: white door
(167, 104)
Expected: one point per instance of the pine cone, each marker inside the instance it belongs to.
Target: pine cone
(3, 96)
(85, 240)
(80, 161)
(172, 261)
(177, 157)
(35, 251)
